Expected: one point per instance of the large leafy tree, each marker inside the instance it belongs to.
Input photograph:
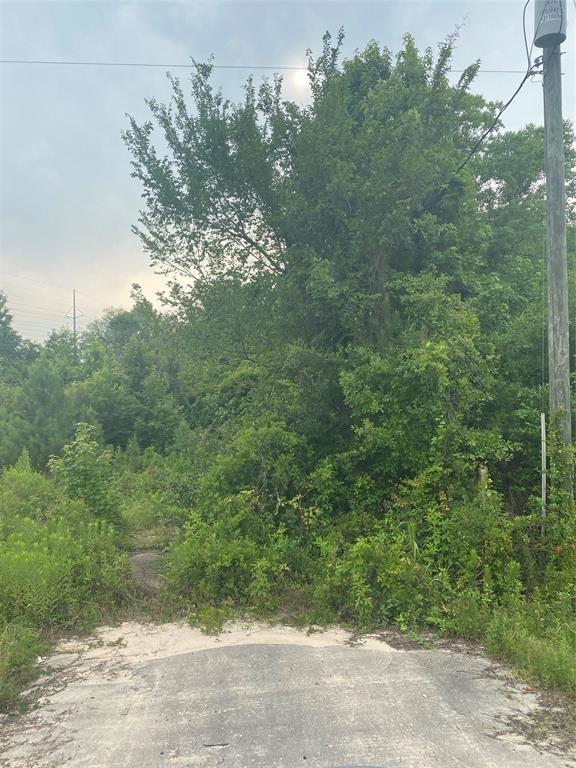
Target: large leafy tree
(293, 233)
(329, 199)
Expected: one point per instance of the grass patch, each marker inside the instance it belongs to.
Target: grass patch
(540, 652)
(20, 646)
(61, 567)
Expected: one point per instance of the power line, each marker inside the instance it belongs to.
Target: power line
(52, 316)
(149, 65)
(531, 70)
(503, 109)
(528, 53)
(20, 307)
(38, 327)
(35, 280)
(50, 285)
(30, 317)
(144, 64)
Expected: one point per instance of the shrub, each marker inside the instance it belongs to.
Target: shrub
(236, 556)
(375, 580)
(56, 575)
(25, 493)
(539, 637)
(20, 645)
(59, 565)
(85, 471)
(152, 494)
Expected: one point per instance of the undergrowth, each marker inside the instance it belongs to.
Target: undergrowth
(465, 569)
(61, 564)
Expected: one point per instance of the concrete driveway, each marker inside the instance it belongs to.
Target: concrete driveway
(144, 696)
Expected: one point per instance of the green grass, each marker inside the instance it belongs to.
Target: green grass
(542, 652)
(20, 646)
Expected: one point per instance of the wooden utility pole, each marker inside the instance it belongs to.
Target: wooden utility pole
(558, 317)
(550, 33)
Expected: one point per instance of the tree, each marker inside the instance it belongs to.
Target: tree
(43, 414)
(330, 198)
(14, 350)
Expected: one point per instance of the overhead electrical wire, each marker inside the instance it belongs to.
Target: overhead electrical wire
(528, 53)
(532, 68)
(68, 289)
(38, 315)
(18, 302)
(34, 280)
(529, 72)
(22, 316)
(149, 65)
(21, 307)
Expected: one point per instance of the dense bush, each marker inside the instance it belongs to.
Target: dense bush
(238, 555)
(85, 472)
(60, 564)
(57, 574)
(456, 565)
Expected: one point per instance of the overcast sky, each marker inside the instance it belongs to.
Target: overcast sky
(67, 200)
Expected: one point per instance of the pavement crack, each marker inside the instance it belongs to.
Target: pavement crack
(219, 744)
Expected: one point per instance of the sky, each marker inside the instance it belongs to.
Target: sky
(67, 200)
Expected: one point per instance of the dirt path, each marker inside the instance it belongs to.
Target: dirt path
(144, 695)
(146, 569)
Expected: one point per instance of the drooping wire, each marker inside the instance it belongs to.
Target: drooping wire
(66, 288)
(529, 72)
(532, 70)
(528, 53)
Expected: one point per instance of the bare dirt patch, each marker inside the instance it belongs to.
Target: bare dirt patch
(146, 569)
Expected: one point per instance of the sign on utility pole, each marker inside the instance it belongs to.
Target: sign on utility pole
(550, 33)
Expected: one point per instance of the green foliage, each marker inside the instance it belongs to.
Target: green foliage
(85, 471)
(538, 637)
(40, 417)
(20, 646)
(366, 331)
(374, 581)
(15, 351)
(28, 494)
(59, 565)
(238, 556)
(264, 457)
(210, 619)
(55, 574)
(153, 493)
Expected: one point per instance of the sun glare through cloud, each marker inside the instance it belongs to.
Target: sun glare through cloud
(300, 80)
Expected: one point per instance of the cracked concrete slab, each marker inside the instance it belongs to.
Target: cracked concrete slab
(269, 697)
